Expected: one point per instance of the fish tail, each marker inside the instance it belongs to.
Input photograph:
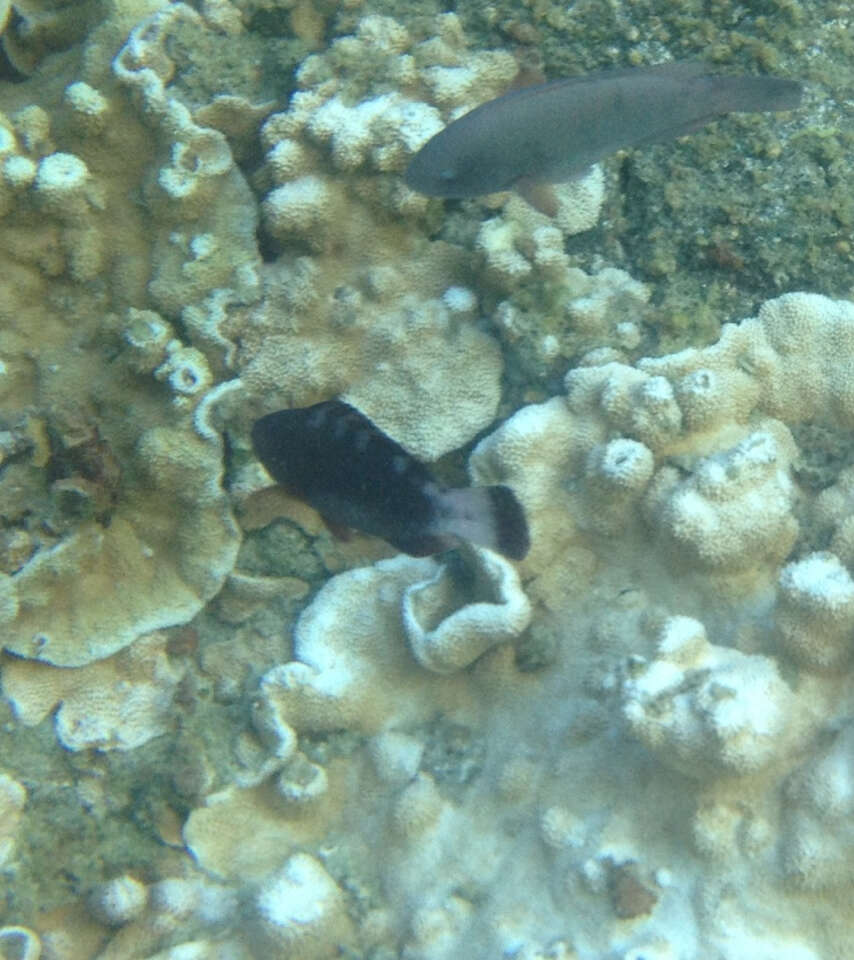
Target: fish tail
(752, 94)
(488, 516)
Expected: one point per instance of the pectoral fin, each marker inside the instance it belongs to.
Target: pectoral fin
(540, 195)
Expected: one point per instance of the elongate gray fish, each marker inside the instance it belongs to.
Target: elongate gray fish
(554, 131)
(354, 475)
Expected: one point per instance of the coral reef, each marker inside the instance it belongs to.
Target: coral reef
(395, 341)
(635, 743)
(659, 518)
(300, 910)
(117, 703)
(13, 798)
(448, 628)
(708, 710)
(128, 527)
(816, 845)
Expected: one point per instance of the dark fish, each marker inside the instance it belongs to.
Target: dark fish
(554, 131)
(339, 462)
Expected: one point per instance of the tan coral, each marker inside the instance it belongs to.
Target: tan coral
(118, 703)
(616, 477)
(532, 452)
(790, 362)
(640, 406)
(75, 216)
(68, 627)
(402, 358)
(41, 28)
(197, 186)
(13, 799)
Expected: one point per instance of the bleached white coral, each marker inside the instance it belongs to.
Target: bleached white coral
(60, 184)
(418, 808)
(186, 371)
(641, 406)
(449, 628)
(343, 642)
(818, 842)
(148, 336)
(300, 910)
(18, 171)
(616, 475)
(733, 507)
(13, 799)
(348, 129)
(119, 900)
(396, 756)
(90, 108)
(705, 709)
(521, 239)
(297, 209)
(287, 159)
(815, 611)
(178, 902)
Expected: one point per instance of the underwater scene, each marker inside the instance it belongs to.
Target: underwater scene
(426, 480)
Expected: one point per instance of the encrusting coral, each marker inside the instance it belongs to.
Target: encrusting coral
(129, 500)
(658, 521)
(120, 702)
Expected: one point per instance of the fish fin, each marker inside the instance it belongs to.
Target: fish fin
(745, 94)
(488, 516)
(527, 75)
(338, 530)
(511, 527)
(540, 195)
(425, 544)
(752, 94)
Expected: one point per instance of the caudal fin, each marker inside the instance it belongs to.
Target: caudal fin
(752, 94)
(488, 516)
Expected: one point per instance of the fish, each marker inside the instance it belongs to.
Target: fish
(334, 458)
(555, 131)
